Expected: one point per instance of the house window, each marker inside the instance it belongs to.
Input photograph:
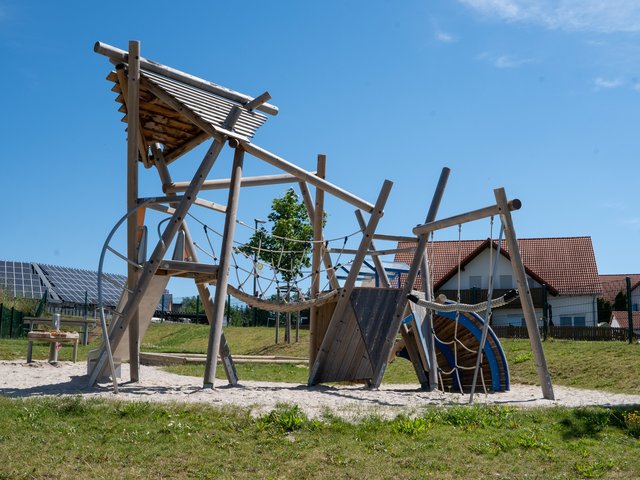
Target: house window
(579, 321)
(566, 321)
(506, 282)
(475, 281)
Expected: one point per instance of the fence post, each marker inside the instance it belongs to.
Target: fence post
(11, 323)
(545, 320)
(1, 312)
(629, 309)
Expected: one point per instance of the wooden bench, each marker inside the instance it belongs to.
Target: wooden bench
(86, 325)
(53, 338)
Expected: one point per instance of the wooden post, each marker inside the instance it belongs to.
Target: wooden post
(316, 258)
(629, 310)
(345, 294)
(525, 294)
(326, 257)
(151, 267)
(223, 272)
(203, 288)
(427, 325)
(133, 115)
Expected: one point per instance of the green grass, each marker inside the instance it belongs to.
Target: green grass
(74, 438)
(609, 366)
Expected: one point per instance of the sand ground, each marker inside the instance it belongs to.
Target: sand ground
(22, 380)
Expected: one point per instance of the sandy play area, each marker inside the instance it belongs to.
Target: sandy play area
(19, 379)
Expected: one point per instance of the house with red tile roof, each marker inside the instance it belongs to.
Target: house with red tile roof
(561, 272)
(614, 284)
(621, 320)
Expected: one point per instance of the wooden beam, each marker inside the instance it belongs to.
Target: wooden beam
(426, 326)
(202, 287)
(525, 294)
(223, 273)
(326, 256)
(150, 268)
(176, 153)
(133, 146)
(467, 217)
(224, 183)
(382, 273)
(305, 176)
(394, 238)
(118, 55)
(316, 257)
(124, 86)
(336, 325)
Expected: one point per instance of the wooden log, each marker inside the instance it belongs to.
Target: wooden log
(316, 257)
(467, 217)
(222, 184)
(121, 56)
(126, 94)
(394, 238)
(133, 144)
(223, 273)
(335, 328)
(305, 176)
(382, 273)
(427, 326)
(150, 268)
(525, 294)
(326, 257)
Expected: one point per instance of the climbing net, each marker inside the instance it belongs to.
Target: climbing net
(272, 272)
(464, 350)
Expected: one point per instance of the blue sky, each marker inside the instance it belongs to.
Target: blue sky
(539, 97)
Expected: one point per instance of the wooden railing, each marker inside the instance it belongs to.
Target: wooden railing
(566, 333)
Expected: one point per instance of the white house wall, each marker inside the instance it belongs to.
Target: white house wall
(579, 309)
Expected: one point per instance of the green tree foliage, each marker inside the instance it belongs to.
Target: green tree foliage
(604, 310)
(620, 302)
(288, 246)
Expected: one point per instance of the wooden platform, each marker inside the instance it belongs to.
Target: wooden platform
(53, 338)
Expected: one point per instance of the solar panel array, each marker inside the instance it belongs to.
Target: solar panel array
(68, 285)
(72, 284)
(20, 279)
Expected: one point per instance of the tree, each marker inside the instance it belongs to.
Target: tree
(604, 310)
(620, 302)
(288, 246)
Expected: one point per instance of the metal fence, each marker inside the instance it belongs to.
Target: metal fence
(10, 322)
(566, 333)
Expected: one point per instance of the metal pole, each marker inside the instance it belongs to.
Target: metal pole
(11, 323)
(545, 320)
(629, 309)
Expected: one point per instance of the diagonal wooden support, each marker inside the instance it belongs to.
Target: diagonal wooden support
(153, 263)
(215, 331)
(525, 294)
(203, 288)
(336, 325)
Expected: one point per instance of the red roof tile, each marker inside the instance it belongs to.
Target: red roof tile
(566, 264)
(613, 284)
(623, 319)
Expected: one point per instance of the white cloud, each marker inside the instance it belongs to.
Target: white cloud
(605, 16)
(504, 61)
(445, 37)
(605, 83)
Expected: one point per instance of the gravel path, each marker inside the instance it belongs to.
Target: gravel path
(19, 379)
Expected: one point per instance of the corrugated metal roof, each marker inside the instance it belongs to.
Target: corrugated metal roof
(160, 123)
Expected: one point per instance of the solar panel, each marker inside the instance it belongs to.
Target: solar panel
(72, 284)
(19, 279)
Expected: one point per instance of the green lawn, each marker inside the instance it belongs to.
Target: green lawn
(74, 438)
(610, 366)
(82, 439)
